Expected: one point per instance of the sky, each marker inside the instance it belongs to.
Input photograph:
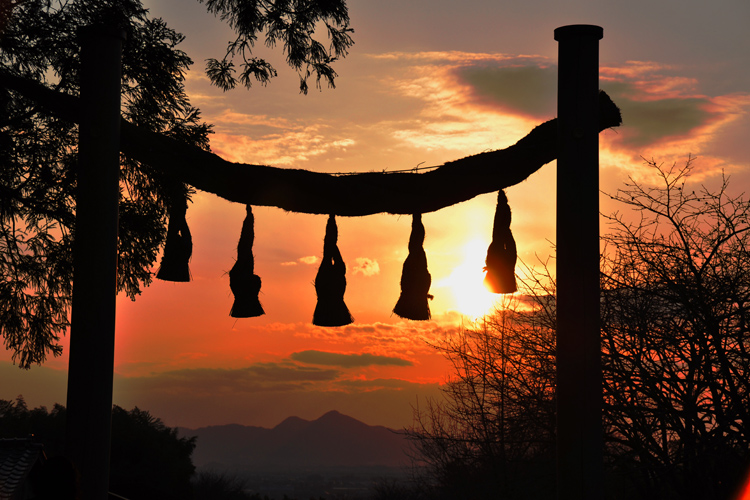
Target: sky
(426, 82)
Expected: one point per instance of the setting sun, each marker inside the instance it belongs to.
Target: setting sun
(466, 282)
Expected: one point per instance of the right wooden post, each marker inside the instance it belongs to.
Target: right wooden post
(579, 373)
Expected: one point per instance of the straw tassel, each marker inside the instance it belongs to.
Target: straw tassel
(243, 281)
(330, 282)
(501, 255)
(415, 278)
(178, 247)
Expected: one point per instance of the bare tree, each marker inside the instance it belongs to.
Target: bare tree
(675, 341)
(494, 429)
(676, 303)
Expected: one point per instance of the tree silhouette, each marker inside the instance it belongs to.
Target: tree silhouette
(38, 158)
(675, 339)
(292, 23)
(676, 306)
(39, 46)
(148, 459)
(494, 429)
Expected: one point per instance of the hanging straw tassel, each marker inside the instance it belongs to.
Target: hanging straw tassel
(243, 281)
(415, 278)
(330, 283)
(501, 255)
(178, 247)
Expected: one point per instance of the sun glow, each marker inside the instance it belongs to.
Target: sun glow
(466, 282)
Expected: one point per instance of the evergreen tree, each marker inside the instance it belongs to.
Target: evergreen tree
(148, 459)
(38, 151)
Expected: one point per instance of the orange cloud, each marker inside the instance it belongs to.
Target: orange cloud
(309, 260)
(365, 266)
(467, 98)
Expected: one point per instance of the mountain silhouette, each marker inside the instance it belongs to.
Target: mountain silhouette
(333, 440)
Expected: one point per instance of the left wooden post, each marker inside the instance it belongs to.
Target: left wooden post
(92, 332)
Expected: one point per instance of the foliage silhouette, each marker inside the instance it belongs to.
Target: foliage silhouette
(208, 485)
(675, 304)
(148, 459)
(38, 156)
(39, 44)
(291, 23)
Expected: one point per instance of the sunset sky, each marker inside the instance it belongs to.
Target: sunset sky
(426, 82)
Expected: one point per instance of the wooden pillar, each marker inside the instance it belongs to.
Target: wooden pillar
(579, 376)
(92, 335)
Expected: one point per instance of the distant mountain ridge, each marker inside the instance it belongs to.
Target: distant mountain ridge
(333, 440)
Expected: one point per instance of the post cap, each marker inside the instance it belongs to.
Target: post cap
(579, 31)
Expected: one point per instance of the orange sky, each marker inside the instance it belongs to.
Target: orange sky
(403, 99)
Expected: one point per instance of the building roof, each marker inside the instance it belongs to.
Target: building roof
(17, 458)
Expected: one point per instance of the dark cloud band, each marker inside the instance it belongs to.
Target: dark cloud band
(347, 360)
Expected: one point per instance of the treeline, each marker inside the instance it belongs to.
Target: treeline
(149, 461)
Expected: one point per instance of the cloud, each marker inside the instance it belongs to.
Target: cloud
(258, 377)
(414, 338)
(453, 56)
(478, 100)
(657, 104)
(649, 119)
(278, 146)
(379, 383)
(524, 89)
(201, 397)
(386, 402)
(314, 357)
(309, 260)
(235, 118)
(365, 266)
(40, 385)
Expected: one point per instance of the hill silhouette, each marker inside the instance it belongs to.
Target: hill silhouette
(333, 440)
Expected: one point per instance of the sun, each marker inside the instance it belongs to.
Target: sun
(466, 282)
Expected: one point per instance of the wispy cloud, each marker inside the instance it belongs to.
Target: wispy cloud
(410, 338)
(258, 377)
(365, 266)
(452, 56)
(323, 358)
(468, 98)
(285, 147)
(308, 260)
(380, 383)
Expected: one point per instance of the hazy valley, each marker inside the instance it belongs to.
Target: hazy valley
(334, 456)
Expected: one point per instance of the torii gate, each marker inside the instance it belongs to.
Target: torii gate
(572, 138)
